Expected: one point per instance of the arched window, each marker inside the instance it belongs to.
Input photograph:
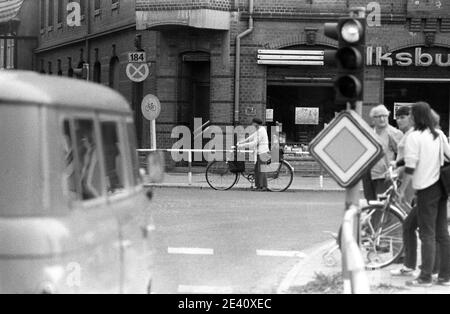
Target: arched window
(114, 73)
(97, 72)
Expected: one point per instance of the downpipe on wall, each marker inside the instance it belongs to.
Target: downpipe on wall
(237, 81)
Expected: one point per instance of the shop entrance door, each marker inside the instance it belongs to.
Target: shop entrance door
(436, 94)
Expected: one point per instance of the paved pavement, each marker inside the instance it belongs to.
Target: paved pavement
(236, 241)
(180, 180)
(381, 280)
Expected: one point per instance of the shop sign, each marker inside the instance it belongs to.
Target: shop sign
(377, 57)
(399, 105)
(306, 116)
(269, 115)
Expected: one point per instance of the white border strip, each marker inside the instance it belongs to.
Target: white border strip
(190, 251)
(273, 253)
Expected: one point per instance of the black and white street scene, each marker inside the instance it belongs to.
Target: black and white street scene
(204, 148)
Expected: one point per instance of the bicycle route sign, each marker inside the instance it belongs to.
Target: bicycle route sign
(347, 149)
(138, 72)
(151, 107)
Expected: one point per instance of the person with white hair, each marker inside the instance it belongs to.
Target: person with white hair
(389, 137)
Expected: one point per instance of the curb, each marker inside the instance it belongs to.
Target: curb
(193, 187)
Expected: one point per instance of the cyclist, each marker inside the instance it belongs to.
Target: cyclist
(260, 142)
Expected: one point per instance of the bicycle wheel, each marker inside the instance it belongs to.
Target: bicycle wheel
(219, 176)
(381, 236)
(279, 177)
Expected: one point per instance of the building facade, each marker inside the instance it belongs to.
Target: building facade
(18, 34)
(199, 45)
(103, 40)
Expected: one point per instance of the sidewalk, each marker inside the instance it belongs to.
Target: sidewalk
(181, 180)
(381, 280)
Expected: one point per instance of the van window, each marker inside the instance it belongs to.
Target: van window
(82, 177)
(132, 143)
(69, 180)
(114, 157)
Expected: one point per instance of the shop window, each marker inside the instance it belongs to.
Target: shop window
(113, 157)
(82, 176)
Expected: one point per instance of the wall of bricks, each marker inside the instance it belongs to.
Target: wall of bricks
(278, 25)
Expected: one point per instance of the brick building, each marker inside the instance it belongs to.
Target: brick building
(103, 40)
(195, 45)
(18, 34)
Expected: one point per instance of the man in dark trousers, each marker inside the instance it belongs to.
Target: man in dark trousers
(259, 141)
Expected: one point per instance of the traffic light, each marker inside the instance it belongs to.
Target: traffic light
(350, 32)
(83, 72)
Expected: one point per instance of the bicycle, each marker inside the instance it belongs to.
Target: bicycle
(381, 232)
(221, 177)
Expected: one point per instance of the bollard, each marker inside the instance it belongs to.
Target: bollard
(190, 168)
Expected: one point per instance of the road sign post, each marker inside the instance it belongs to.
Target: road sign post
(362, 149)
(151, 109)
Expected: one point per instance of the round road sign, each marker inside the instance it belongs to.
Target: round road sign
(138, 72)
(151, 107)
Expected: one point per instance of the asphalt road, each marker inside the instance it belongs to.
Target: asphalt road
(236, 242)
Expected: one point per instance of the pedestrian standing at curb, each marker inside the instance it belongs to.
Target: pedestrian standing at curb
(424, 156)
(259, 141)
(375, 181)
(411, 223)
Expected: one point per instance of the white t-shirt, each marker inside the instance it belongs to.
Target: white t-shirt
(259, 141)
(425, 154)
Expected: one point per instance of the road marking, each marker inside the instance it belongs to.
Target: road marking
(190, 251)
(272, 253)
(204, 289)
(290, 278)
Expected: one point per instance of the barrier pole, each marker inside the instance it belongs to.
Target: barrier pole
(153, 133)
(190, 167)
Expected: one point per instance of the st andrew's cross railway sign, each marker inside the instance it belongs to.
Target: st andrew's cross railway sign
(347, 148)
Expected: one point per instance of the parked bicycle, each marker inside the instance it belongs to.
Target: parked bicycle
(381, 228)
(224, 175)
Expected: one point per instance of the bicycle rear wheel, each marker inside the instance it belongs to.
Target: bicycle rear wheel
(281, 178)
(219, 176)
(381, 236)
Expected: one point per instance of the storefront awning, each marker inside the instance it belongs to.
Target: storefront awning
(9, 9)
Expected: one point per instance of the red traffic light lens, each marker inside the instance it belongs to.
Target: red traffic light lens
(349, 86)
(349, 58)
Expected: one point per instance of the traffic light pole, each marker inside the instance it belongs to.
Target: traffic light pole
(352, 197)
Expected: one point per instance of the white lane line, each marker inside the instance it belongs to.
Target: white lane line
(272, 253)
(204, 290)
(190, 251)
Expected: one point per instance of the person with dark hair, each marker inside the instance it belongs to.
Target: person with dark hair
(259, 141)
(425, 151)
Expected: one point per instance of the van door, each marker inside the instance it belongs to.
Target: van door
(93, 224)
(126, 198)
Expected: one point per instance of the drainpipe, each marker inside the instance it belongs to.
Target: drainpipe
(237, 81)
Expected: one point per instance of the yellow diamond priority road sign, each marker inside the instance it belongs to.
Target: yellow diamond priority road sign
(347, 148)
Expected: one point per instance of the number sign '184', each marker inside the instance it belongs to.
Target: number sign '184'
(137, 57)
